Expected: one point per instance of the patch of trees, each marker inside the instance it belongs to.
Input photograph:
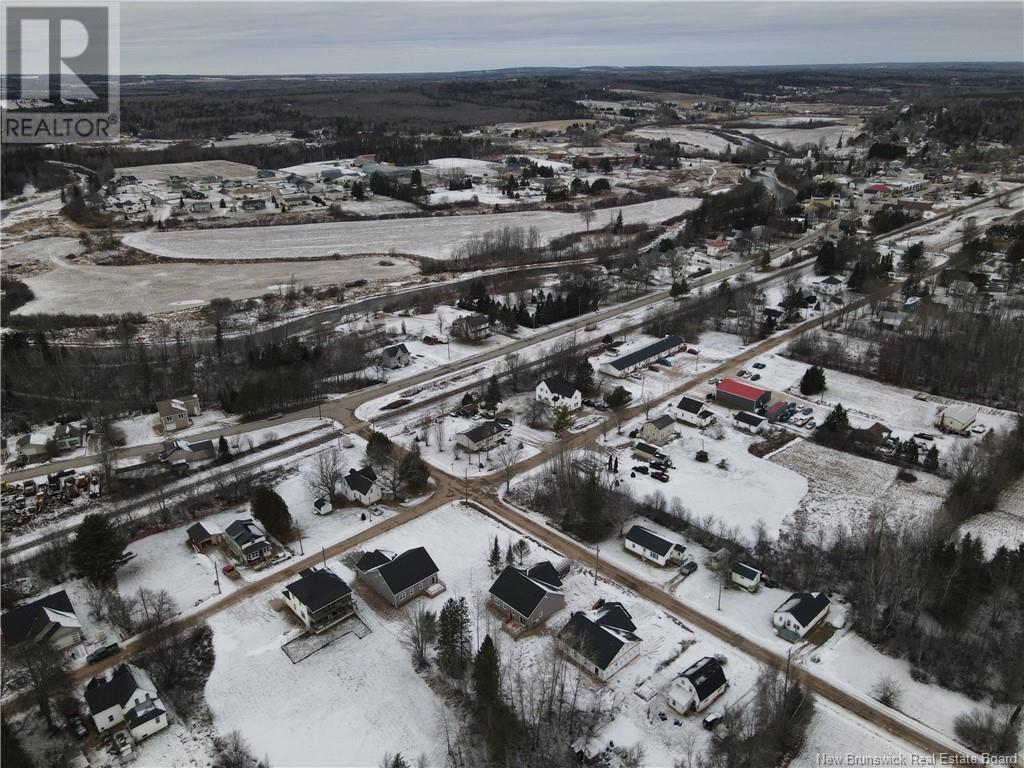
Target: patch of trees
(886, 151)
(544, 308)
(982, 470)
(119, 323)
(399, 190)
(508, 246)
(97, 549)
(180, 661)
(890, 217)
(744, 206)
(272, 512)
(16, 294)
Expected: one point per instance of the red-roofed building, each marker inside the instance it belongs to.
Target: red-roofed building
(740, 395)
(717, 247)
(878, 189)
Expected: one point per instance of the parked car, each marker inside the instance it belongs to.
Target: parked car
(121, 742)
(742, 373)
(640, 468)
(711, 721)
(77, 726)
(714, 381)
(687, 568)
(759, 366)
(103, 653)
(811, 424)
(660, 476)
(658, 466)
(588, 402)
(755, 376)
(807, 410)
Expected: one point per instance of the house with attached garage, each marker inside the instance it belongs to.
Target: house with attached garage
(361, 487)
(248, 541)
(957, 418)
(68, 437)
(660, 430)
(557, 391)
(527, 597)
(395, 356)
(750, 422)
(801, 613)
(126, 695)
(602, 640)
(181, 452)
(746, 577)
(319, 598)
(176, 413)
(691, 410)
(398, 578)
(482, 437)
(203, 534)
(697, 686)
(50, 619)
(652, 546)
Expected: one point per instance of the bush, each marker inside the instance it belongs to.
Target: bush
(989, 731)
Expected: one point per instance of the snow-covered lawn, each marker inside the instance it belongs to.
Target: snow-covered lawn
(434, 237)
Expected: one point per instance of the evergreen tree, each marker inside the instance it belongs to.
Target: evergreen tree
(416, 178)
(378, 448)
(223, 449)
(96, 550)
(494, 559)
(584, 380)
(563, 419)
(838, 420)
(487, 675)
(271, 510)
(492, 396)
(813, 381)
(931, 459)
(510, 557)
(453, 636)
(618, 397)
(414, 469)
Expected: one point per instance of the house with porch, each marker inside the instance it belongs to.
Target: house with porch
(320, 598)
(602, 640)
(398, 578)
(125, 695)
(50, 619)
(248, 541)
(527, 597)
(801, 613)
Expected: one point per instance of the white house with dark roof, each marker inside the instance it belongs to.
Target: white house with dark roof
(647, 452)
(471, 327)
(395, 356)
(32, 445)
(482, 437)
(398, 578)
(527, 597)
(652, 546)
(177, 413)
(556, 391)
(750, 422)
(801, 613)
(746, 577)
(830, 286)
(602, 640)
(248, 541)
(634, 361)
(692, 411)
(697, 686)
(361, 487)
(659, 430)
(320, 598)
(126, 695)
(50, 619)
(68, 437)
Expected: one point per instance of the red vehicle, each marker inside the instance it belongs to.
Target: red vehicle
(660, 476)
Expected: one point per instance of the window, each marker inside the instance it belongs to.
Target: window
(110, 719)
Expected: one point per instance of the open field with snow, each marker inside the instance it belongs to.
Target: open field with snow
(798, 137)
(683, 135)
(156, 288)
(43, 249)
(192, 170)
(434, 237)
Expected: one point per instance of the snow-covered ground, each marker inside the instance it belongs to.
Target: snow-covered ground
(434, 237)
(684, 135)
(1003, 526)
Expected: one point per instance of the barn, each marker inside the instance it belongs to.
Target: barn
(740, 395)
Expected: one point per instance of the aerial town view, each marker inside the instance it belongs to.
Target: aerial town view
(512, 385)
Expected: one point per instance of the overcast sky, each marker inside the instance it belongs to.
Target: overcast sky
(353, 37)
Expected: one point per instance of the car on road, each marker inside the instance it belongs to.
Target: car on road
(641, 469)
(688, 568)
(275, 417)
(660, 476)
(103, 653)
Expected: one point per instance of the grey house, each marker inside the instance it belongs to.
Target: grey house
(396, 356)
(527, 597)
(248, 541)
(398, 578)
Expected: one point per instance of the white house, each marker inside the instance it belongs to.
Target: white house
(957, 418)
(647, 452)
(830, 286)
(652, 546)
(398, 578)
(361, 486)
(660, 430)
(176, 413)
(717, 248)
(746, 577)
(50, 619)
(697, 686)
(801, 612)
(128, 696)
(32, 445)
(641, 358)
(691, 410)
(482, 437)
(248, 541)
(68, 437)
(750, 422)
(557, 391)
(396, 356)
(602, 640)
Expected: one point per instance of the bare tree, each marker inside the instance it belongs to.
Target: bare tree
(326, 473)
(508, 456)
(419, 628)
(587, 214)
(41, 668)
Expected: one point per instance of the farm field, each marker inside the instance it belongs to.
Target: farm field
(163, 171)
(683, 135)
(434, 237)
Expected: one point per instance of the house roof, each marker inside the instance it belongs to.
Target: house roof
(200, 532)
(652, 541)
(559, 385)
(830, 280)
(746, 417)
(26, 622)
(247, 535)
(662, 422)
(706, 676)
(545, 572)
(361, 480)
(738, 388)
(318, 588)
(778, 407)
(484, 431)
(170, 407)
(371, 560)
(804, 606)
(102, 693)
(143, 712)
(645, 353)
(520, 592)
(690, 404)
(745, 571)
(592, 635)
(961, 413)
(878, 188)
(645, 448)
(409, 568)
(65, 431)
(395, 350)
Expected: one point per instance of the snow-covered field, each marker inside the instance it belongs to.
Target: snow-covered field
(434, 237)
(801, 136)
(684, 135)
(191, 170)
(41, 249)
(1003, 526)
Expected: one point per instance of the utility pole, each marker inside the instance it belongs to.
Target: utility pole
(719, 594)
(323, 554)
(299, 532)
(597, 562)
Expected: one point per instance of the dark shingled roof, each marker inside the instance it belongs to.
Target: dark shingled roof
(517, 590)
(28, 620)
(371, 560)
(645, 448)
(706, 675)
(745, 417)
(484, 431)
(394, 351)
(745, 571)
(143, 712)
(102, 694)
(662, 421)
(691, 405)
(361, 480)
(409, 568)
(594, 635)
(545, 572)
(804, 606)
(648, 352)
(318, 588)
(560, 386)
(650, 540)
